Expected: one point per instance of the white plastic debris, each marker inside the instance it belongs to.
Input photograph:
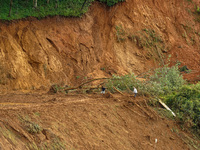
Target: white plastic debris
(156, 140)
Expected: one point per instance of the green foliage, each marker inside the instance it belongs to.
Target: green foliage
(8, 134)
(77, 77)
(103, 69)
(164, 113)
(122, 83)
(25, 8)
(189, 0)
(30, 126)
(164, 80)
(168, 78)
(55, 88)
(198, 9)
(151, 41)
(167, 82)
(186, 104)
(37, 114)
(111, 2)
(197, 14)
(184, 69)
(57, 145)
(33, 128)
(120, 33)
(147, 38)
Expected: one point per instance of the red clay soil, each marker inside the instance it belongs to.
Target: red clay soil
(35, 54)
(86, 122)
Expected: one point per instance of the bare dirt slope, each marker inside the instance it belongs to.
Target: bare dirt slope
(85, 122)
(107, 40)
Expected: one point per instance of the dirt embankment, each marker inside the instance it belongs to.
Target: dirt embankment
(43, 121)
(37, 53)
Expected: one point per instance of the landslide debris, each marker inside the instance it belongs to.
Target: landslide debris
(59, 121)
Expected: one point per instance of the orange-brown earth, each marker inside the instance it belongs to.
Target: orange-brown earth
(34, 54)
(86, 122)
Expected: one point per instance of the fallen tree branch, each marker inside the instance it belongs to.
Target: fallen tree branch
(164, 105)
(79, 86)
(143, 110)
(118, 90)
(134, 103)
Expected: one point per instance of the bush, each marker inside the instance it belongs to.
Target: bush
(122, 83)
(198, 9)
(186, 104)
(111, 2)
(184, 69)
(169, 78)
(33, 128)
(167, 82)
(164, 80)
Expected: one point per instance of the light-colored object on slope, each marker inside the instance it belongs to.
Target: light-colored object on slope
(156, 140)
(134, 90)
(164, 105)
(155, 144)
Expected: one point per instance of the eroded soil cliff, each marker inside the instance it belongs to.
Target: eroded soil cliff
(35, 54)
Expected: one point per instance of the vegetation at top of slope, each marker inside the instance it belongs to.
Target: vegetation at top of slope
(111, 2)
(18, 9)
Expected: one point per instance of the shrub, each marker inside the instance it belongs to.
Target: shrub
(120, 32)
(169, 78)
(164, 80)
(198, 9)
(33, 128)
(111, 2)
(186, 104)
(184, 69)
(30, 126)
(197, 14)
(122, 83)
(167, 82)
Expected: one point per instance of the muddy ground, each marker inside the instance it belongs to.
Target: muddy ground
(87, 121)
